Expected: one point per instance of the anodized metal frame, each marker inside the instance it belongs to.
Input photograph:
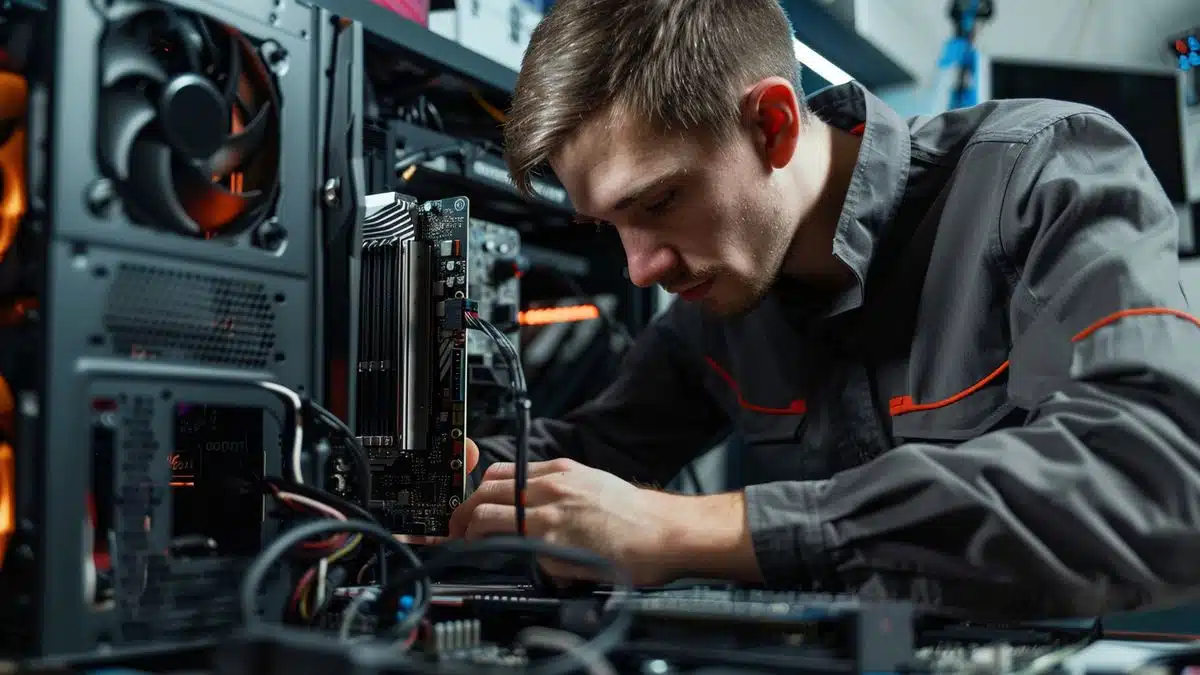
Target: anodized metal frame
(79, 244)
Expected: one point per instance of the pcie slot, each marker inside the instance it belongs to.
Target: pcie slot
(416, 273)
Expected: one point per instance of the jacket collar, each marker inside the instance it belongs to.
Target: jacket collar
(877, 185)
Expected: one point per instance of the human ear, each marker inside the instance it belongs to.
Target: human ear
(773, 110)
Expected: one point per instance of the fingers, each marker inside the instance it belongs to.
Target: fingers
(472, 455)
(490, 492)
(539, 491)
(491, 519)
(508, 470)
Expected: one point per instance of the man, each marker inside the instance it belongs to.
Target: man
(961, 340)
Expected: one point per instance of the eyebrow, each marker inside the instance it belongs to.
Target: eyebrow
(633, 195)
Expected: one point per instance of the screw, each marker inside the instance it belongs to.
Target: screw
(270, 236)
(275, 56)
(101, 196)
(331, 193)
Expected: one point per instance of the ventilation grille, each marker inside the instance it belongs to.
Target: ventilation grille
(158, 597)
(155, 313)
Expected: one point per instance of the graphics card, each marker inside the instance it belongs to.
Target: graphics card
(412, 386)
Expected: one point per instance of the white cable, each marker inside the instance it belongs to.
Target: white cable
(298, 435)
(312, 504)
(352, 610)
(564, 642)
(322, 576)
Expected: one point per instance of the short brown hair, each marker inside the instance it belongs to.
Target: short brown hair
(678, 65)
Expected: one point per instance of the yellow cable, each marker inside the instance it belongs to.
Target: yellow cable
(496, 113)
(337, 555)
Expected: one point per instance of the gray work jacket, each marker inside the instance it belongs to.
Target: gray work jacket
(1005, 417)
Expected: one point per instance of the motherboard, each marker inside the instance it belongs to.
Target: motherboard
(495, 276)
(412, 359)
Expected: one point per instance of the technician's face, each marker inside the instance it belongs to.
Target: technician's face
(701, 219)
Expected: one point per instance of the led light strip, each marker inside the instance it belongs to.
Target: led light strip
(819, 64)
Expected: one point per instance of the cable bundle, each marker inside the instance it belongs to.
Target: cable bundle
(400, 606)
(520, 394)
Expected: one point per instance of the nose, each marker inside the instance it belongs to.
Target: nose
(648, 259)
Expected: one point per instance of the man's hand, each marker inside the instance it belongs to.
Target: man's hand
(570, 504)
(656, 536)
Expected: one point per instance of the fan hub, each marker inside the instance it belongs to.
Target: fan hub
(193, 115)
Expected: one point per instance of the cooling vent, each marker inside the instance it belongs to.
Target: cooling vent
(189, 122)
(155, 313)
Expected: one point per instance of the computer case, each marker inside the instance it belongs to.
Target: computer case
(167, 195)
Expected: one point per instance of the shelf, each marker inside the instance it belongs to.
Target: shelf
(816, 27)
(435, 50)
(840, 43)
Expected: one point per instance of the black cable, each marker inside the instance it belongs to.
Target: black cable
(349, 508)
(427, 154)
(520, 394)
(524, 423)
(452, 554)
(354, 446)
(274, 553)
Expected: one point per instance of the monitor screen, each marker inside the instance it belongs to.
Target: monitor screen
(1145, 104)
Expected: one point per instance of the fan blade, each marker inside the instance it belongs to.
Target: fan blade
(234, 75)
(189, 37)
(151, 192)
(207, 204)
(119, 11)
(122, 59)
(123, 116)
(237, 149)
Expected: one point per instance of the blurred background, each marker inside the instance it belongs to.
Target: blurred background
(441, 71)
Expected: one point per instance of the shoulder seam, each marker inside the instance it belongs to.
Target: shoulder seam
(1004, 198)
(1003, 137)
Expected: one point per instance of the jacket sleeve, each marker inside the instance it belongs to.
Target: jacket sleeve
(654, 418)
(1093, 504)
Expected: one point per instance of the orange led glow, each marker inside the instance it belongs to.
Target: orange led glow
(8, 478)
(550, 315)
(13, 100)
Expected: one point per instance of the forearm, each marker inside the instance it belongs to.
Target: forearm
(1078, 513)
(707, 537)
